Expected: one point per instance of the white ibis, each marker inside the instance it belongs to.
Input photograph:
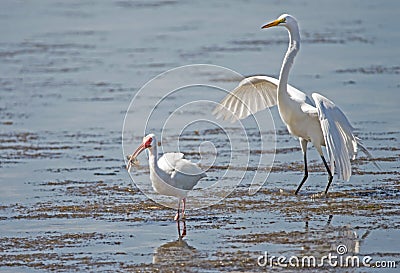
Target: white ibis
(171, 175)
(320, 122)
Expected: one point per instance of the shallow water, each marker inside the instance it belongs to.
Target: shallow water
(69, 70)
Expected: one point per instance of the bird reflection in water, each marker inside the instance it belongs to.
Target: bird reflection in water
(177, 251)
(330, 237)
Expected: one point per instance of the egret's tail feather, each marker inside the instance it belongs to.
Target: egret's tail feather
(368, 154)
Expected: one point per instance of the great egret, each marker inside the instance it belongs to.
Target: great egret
(171, 175)
(322, 123)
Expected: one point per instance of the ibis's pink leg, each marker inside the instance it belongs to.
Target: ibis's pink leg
(183, 208)
(179, 229)
(178, 224)
(177, 214)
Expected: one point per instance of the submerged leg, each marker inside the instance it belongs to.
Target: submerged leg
(184, 229)
(304, 149)
(177, 213)
(330, 176)
(183, 233)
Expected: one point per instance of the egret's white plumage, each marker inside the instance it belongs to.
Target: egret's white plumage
(171, 175)
(320, 122)
(253, 94)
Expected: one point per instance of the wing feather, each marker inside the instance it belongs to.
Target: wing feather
(253, 94)
(180, 170)
(341, 143)
(250, 96)
(168, 161)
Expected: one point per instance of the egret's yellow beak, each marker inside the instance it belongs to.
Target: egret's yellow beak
(274, 23)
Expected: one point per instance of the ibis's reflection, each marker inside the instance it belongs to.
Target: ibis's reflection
(177, 250)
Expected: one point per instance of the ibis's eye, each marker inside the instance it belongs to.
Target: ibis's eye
(147, 144)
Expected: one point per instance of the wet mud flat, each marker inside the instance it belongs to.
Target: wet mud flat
(106, 224)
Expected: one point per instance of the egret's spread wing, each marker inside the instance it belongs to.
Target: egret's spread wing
(340, 141)
(168, 162)
(254, 94)
(250, 96)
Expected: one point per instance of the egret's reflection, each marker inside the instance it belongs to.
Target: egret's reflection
(329, 237)
(177, 251)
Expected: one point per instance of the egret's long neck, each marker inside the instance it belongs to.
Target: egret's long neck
(294, 47)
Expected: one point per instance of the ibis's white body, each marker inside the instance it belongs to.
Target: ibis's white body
(171, 175)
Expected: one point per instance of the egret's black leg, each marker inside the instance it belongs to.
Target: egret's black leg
(330, 176)
(305, 173)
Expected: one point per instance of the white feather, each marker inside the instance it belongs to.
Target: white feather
(253, 94)
(183, 173)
